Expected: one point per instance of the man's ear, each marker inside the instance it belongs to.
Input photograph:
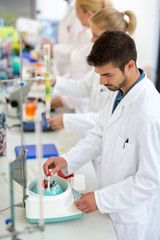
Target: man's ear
(130, 65)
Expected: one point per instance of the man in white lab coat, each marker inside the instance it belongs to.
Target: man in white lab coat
(127, 136)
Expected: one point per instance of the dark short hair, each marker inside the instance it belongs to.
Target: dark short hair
(114, 47)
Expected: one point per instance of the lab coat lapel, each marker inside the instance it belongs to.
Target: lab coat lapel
(131, 96)
(116, 114)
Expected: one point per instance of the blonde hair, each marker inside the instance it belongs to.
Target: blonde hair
(93, 5)
(112, 19)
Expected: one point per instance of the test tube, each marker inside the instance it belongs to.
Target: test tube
(49, 181)
(46, 50)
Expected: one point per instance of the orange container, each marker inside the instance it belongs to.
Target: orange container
(30, 109)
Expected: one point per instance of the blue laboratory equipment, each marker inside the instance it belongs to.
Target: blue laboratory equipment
(58, 204)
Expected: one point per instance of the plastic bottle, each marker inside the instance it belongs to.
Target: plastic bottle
(2, 123)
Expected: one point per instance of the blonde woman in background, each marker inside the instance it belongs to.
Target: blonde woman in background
(78, 66)
(114, 20)
(108, 18)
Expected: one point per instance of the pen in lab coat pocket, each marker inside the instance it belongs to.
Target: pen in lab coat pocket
(126, 141)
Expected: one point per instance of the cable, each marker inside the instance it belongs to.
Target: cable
(21, 204)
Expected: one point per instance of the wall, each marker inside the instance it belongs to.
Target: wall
(11, 9)
(51, 9)
(146, 35)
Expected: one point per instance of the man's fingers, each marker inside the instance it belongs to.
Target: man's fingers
(45, 168)
(54, 164)
(79, 202)
(52, 124)
(82, 207)
(50, 163)
(88, 211)
(49, 120)
(55, 170)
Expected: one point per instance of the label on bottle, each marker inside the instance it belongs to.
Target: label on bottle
(2, 134)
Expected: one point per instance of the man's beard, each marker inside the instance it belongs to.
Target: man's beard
(121, 85)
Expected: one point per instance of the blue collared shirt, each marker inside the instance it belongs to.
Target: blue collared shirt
(120, 95)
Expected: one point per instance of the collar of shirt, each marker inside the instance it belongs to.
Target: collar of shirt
(119, 94)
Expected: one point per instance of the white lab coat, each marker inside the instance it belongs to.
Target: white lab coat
(129, 182)
(82, 47)
(90, 88)
(69, 28)
(78, 69)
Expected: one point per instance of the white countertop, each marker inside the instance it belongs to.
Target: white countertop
(90, 227)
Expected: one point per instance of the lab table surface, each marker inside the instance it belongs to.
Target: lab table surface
(90, 226)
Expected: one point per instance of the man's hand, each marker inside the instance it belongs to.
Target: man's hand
(87, 203)
(56, 102)
(55, 163)
(56, 122)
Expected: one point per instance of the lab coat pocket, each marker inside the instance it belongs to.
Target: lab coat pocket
(123, 153)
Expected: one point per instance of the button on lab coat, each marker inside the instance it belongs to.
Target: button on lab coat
(129, 143)
(69, 28)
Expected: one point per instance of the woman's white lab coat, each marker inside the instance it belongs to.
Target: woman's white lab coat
(81, 49)
(129, 143)
(78, 69)
(88, 88)
(69, 28)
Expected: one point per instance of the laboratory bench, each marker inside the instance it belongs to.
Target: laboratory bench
(90, 226)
